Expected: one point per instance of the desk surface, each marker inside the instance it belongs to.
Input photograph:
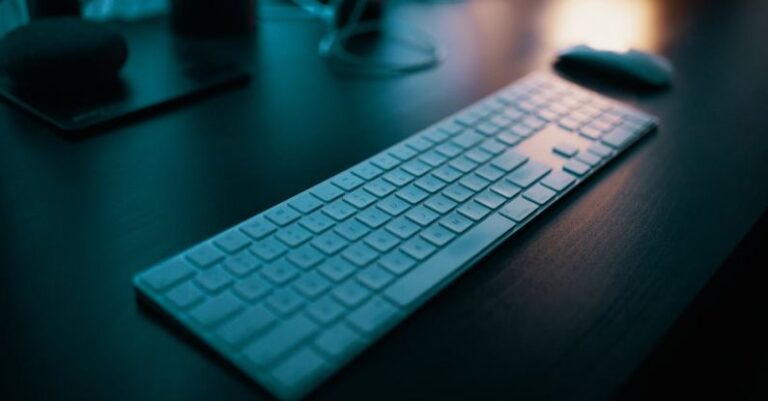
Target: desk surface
(565, 310)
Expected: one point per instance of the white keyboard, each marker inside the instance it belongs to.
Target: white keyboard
(292, 294)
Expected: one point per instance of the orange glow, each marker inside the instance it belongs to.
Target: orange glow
(610, 24)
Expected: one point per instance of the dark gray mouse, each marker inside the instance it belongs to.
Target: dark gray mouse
(634, 66)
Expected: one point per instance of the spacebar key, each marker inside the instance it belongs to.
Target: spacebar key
(427, 276)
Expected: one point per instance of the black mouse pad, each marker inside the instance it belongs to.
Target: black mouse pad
(155, 76)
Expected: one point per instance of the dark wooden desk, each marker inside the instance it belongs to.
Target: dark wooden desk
(566, 310)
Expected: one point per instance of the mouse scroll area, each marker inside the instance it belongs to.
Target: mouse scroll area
(633, 67)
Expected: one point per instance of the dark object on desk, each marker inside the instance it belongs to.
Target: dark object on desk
(633, 66)
(62, 50)
(203, 17)
(53, 8)
(157, 75)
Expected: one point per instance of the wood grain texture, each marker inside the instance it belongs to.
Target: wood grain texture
(565, 310)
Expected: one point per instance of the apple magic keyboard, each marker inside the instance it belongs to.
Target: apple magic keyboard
(292, 294)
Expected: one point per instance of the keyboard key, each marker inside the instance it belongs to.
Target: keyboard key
(373, 217)
(398, 177)
(421, 215)
(336, 269)
(168, 273)
(350, 293)
(280, 272)
(385, 161)
(509, 160)
(490, 199)
(447, 173)
(449, 150)
(232, 240)
(366, 171)
(417, 248)
(421, 280)
(300, 370)
(456, 223)
(402, 227)
(252, 288)
(268, 249)
(600, 150)
(305, 256)
(258, 227)
(468, 139)
(412, 194)
(346, 181)
(529, 173)
(397, 262)
(474, 182)
(416, 167)
(505, 188)
(433, 158)
(478, 155)
(618, 138)
(539, 194)
(458, 193)
(518, 209)
(437, 235)
(326, 310)
(463, 164)
(352, 230)
(339, 342)
(558, 180)
(493, 146)
(185, 295)
(205, 255)
(360, 254)
(327, 191)
(393, 205)
(418, 143)
(317, 222)
(285, 301)
(329, 243)
(487, 128)
(402, 152)
(589, 158)
(360, 198)
(254, 320)
(565, 149)
(576, 167)
(374, 316)
(591, 133)
(440, 204)
(214, 279)
(280, 340)
(436, 135)
(312, 285)
(293, 235)
(430, 183)
(522, 131)
(451, 128)
(509, 138)
(216, 309)
(374, 277)
(381, 240)
(489, 172)
(473, 210)
(380, 188)
(339, 210)
(282, 215)
(305, 203)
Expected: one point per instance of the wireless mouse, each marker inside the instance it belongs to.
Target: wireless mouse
(634, 66)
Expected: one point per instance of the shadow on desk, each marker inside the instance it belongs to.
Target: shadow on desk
(717, 349)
